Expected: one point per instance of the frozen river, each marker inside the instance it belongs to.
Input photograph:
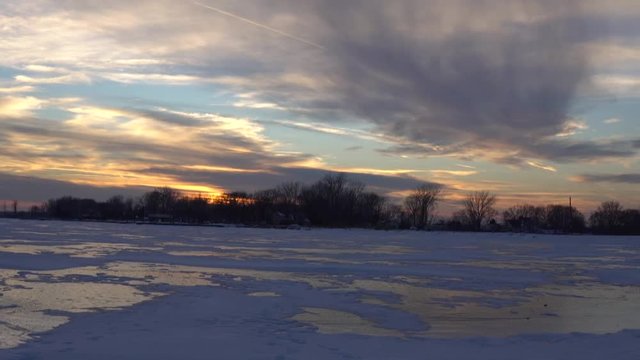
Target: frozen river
(79, 290)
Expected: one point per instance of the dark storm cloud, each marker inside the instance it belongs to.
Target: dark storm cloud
(25, 188)
(253, 181)
(470, 78)
(567, 151)
(611, 178)
(500, 85)
(491, 76)
(463, 75)
(562, 151)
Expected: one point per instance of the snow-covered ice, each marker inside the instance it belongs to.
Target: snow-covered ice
(80, 290)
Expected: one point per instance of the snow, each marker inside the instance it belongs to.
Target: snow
(78, 290)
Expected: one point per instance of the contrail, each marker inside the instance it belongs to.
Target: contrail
(262, 26)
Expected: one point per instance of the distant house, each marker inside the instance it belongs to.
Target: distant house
(279, 218)
(522, 224)
(160, 218)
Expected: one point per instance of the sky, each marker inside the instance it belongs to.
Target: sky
(534, 101)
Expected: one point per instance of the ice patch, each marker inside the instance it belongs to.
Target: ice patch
(24, 305)
(79, 250)
(588, 308)
(264, 294)
(329, 321)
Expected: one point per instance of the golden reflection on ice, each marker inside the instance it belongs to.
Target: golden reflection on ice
(329, 321)
(79, 250)
(588, 308)
(23, 305)
(264, 294)
(71, 297)
(321, 255)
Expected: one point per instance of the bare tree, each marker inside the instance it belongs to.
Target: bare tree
(478, 208)
(160, 201)
(421, 204)
(524, 217)
(608, 217)
(564, 218)
(332, 201)
(289, 195)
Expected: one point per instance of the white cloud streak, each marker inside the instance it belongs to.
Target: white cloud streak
(259, 25)
(612, 121)
(541, 166)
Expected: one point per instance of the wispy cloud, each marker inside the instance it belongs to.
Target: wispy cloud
(62, 79)
(630, 178)
(454, 172)
(572, 127)
(326, 128)
(538, 165)
(130, 78)
(38, 68)
(111, 147)
(16, 89)
(612, 120)
(259, 25)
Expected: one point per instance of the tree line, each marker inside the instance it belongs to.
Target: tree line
(337, 201)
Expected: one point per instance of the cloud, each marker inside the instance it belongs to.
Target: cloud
(42, 68)
(16, 89)
(557, 150)
(618, 85)
(571, 151)
(62, 79)
(99, 147)
(112, 146)
(464, 78)
(541, 166)
(612, 121)
(454, 172)
(332, 129)
(259, 25)
(34, 189)
(501, 82)
(633, 178)
(171, 118)
(18, 106)
(572, 127)
(151, 78)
